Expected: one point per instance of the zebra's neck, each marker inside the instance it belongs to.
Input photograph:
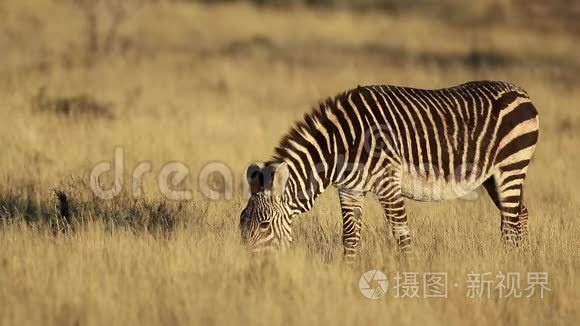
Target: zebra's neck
(311, 157)
(304, 185)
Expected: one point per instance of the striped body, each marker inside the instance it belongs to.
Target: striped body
(397, 142)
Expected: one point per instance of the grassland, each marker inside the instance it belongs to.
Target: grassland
(200, 83)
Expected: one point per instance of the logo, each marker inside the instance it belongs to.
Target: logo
(373, 284)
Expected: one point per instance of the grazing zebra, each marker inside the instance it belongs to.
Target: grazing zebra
(396, 142)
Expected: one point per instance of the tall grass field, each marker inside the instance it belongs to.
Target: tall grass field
(138, 89)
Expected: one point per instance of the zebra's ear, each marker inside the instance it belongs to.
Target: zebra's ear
(280, 178)
(254, 178)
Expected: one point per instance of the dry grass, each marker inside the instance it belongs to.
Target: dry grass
(198, 83)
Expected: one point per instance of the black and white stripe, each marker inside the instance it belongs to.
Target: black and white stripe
(399, 142)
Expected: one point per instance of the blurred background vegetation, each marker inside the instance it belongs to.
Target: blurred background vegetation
(537, 14)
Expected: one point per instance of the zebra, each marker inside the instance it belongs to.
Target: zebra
(396, 142)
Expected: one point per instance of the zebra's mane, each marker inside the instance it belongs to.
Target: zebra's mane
(307, 125)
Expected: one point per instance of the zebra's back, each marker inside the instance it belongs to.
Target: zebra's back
(445, 142)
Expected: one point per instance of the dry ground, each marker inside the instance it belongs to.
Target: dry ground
(196, 83)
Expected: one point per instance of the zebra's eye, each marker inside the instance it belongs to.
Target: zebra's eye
(264, 225)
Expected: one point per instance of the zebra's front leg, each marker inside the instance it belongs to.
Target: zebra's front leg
(391, 198)
(351, 203)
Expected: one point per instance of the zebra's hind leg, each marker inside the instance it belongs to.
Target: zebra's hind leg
(351, 203)
(524, 222)
(506, 191)
(391, 198)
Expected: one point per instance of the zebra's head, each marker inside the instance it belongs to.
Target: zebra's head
(265, 222)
